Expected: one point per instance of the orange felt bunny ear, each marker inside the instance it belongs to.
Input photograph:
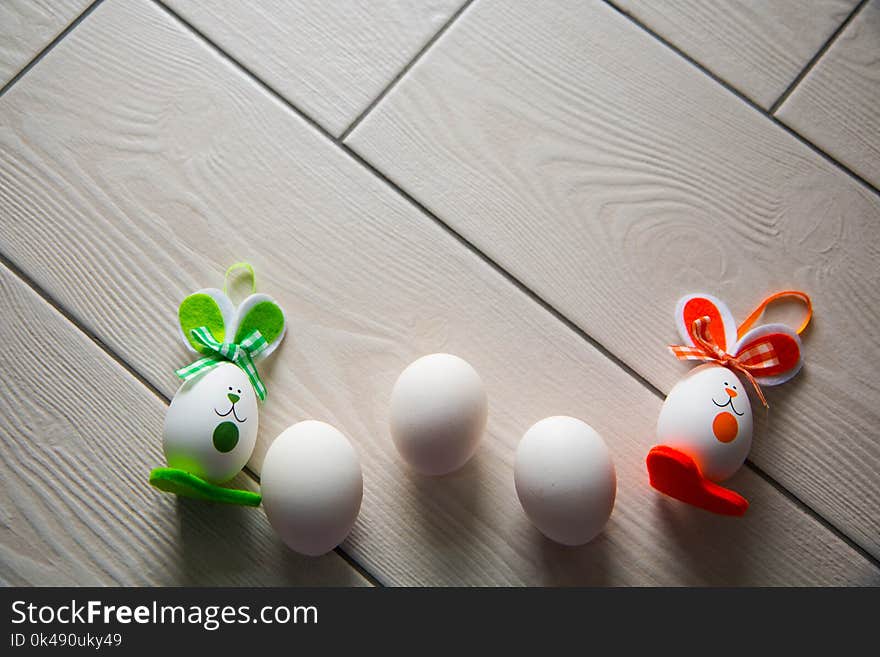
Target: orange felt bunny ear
(773, 352)
(721, 323)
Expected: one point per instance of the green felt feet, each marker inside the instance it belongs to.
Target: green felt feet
(172, 480)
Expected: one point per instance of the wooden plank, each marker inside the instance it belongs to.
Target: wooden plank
(756, 46)
(612, 177)
(163, 164)
(330, 59)
(78, 439)
(28, 26)
(837, 104)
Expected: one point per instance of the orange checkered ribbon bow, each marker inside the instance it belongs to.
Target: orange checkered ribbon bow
(758, 357)
(768, 352)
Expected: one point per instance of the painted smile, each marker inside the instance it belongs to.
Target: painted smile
(729, 402)
(235, 415)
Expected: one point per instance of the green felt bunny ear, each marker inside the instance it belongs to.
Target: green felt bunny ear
(208, 307)
(260, 312)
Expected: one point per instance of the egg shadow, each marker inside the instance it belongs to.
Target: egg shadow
(216, 542)
(447, 511)
(590, 564)
(459, 489)
(303, 570)
(702, 541)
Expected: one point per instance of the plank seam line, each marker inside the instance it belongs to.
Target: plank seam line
(103, 346)
(801, 504)
(45, 51)
(60, 309)
(815, 58)
(406, 69)
(748, 101)
(820, 518)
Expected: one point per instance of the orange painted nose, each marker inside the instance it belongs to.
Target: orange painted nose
(732, 393)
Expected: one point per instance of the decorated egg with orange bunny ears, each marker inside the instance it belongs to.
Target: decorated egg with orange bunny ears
(705, 424)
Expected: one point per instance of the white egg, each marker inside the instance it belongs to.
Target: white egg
(438, 413)
(707, 416)
(312, 487)
(565, 479)
(211, 425)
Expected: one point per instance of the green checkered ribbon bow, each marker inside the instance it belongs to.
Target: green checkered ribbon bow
(241, 353)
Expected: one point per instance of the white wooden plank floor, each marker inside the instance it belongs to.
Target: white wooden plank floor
(758, 47)
(330, 59)
(542, 135)
(613, 204)
(28, 26)
(837, 105)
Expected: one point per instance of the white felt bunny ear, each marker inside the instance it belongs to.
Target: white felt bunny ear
(773, 352)
(260, 312)
(209, 307)
(721, 323)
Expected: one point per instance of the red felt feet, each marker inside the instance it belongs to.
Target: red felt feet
(676, 474)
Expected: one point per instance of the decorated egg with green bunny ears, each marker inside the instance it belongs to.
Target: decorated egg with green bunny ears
(211, 426)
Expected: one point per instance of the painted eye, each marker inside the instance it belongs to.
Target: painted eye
(725, 383)
(230, 388)
(734, 387)
(239, 392)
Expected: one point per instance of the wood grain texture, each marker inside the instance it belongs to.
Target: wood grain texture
(164, 164)
(611, 177)
(758, 47)
(837, 105)
(78, 439)
(330, 59)
(28, 26)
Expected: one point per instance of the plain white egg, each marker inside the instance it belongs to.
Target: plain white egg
(312, 487)
(438, 413)
(707, 416)
(211, 425)
(565, 479)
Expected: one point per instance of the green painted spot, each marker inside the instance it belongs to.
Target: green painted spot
(225, 437)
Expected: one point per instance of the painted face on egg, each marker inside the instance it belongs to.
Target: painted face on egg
(707, 416)
(211, 425)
